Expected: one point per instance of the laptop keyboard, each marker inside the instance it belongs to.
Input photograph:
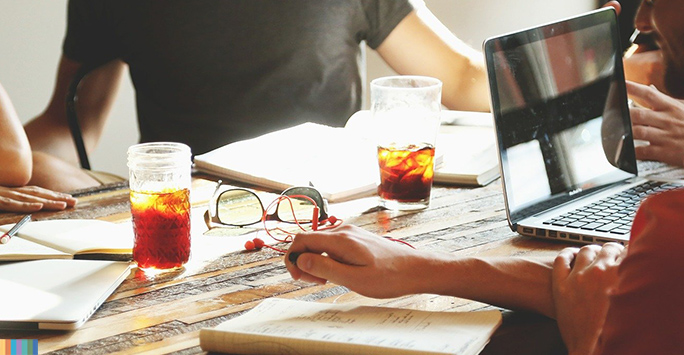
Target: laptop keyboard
(612, 214)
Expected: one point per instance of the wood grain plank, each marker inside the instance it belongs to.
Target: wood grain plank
(299, 293)
(137, 319)
(165, 346)
(145, 289)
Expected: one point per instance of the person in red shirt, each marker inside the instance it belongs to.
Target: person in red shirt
(632, 297)
(645, 315)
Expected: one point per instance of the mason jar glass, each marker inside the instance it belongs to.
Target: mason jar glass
(159, 180)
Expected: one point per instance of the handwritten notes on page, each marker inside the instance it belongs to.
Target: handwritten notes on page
(297, 327)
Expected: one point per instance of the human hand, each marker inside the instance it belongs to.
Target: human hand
(614, 4)
(360, 260)
(32, 199)
(660, 122)
(646, 68)
(582, 281)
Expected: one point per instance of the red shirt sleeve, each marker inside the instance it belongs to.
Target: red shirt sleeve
(646, 314)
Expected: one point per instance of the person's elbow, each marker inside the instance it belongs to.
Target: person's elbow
(18, 168)
(469, 93)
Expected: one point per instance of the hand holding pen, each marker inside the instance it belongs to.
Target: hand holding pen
(14, 230)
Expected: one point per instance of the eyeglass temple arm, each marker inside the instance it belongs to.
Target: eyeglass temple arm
(314, 219)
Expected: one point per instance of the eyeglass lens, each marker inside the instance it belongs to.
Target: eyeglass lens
(242, 207)
(296, 208)
(303, 208)
(239, 208)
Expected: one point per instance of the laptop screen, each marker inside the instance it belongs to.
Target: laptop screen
(560, 110)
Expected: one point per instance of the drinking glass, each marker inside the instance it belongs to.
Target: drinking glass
(406, 114)
(159, 178)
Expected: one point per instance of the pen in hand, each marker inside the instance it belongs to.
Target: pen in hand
(7, 236)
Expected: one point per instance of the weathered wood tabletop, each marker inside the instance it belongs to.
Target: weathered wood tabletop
(164, 313)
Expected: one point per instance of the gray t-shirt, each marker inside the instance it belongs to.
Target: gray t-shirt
(210, 72)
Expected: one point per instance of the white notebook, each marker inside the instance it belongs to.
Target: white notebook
(336, 161)
(469, 155)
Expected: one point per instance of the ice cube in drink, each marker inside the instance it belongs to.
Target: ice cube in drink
(406, 173)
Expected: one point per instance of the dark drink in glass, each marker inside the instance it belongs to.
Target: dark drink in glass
(406, 174)
(161, 221)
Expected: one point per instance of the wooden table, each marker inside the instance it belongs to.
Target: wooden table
(164, 313)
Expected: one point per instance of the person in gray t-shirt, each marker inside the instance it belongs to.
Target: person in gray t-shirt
(210, 72)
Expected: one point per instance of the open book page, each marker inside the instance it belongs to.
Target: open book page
(20, 249)
(298, 327)
(80, 236)
(338, 163)
(469, 155)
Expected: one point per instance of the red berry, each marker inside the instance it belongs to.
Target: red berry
(258, 243)
(249, 245)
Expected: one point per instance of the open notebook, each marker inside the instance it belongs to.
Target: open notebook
(69, 238)
(282, 326)
(467, 145)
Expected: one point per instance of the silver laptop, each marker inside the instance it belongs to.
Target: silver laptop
(563, 130)
(55, 294)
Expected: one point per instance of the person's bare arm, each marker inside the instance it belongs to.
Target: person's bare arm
(416, 48)
(15, 151)
(376, 267)
(49, 132)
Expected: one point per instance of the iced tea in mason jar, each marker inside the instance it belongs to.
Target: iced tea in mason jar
(160, 204)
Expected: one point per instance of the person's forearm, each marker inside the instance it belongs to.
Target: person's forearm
(421, 45)
(376, 267)
(50, 133)
(472, 91)
(513, 283)
(468, 88)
